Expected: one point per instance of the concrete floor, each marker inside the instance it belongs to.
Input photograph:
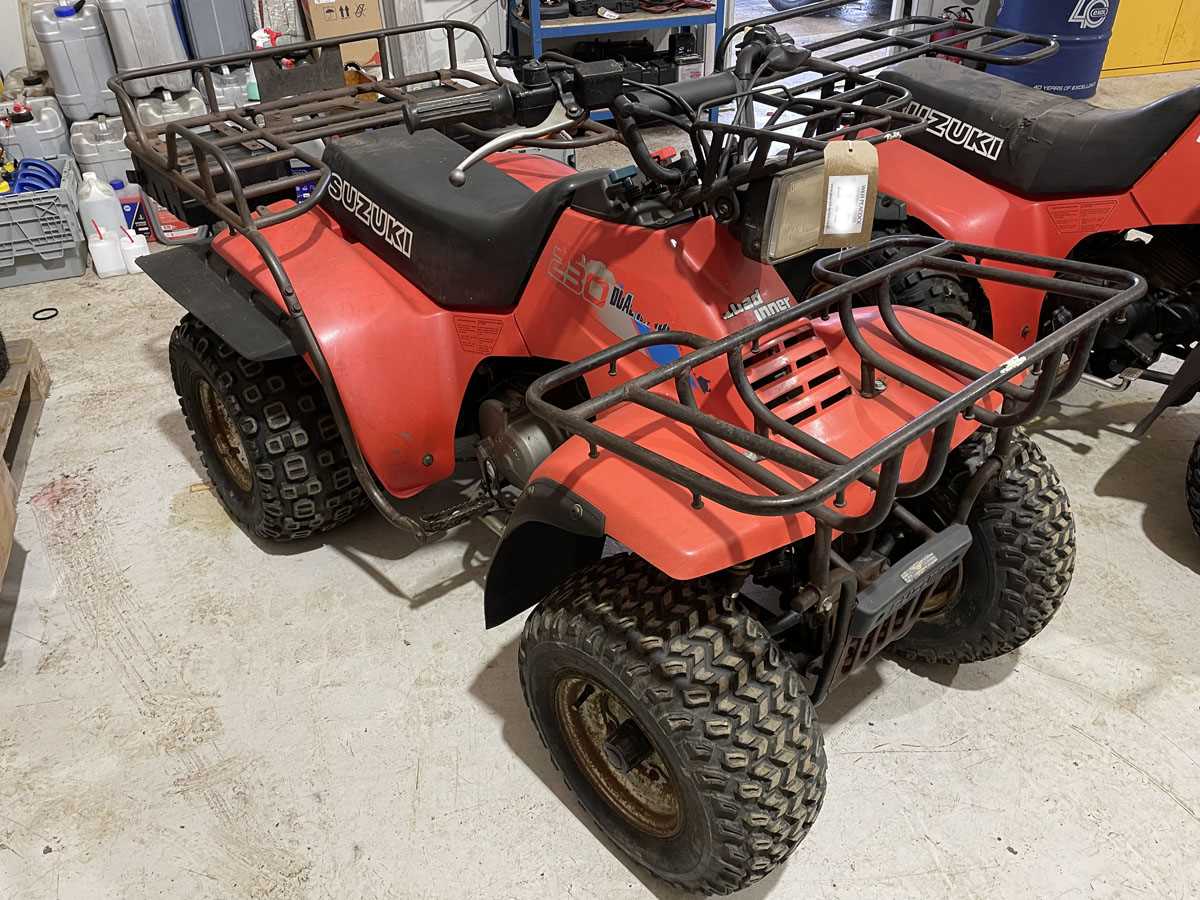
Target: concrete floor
(187, 713)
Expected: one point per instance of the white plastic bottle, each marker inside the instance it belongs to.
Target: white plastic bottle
(104, 247)
(99, 208)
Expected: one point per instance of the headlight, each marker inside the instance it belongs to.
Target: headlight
(827, 204)
(792, 224)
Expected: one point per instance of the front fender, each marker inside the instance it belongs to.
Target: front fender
(550, 534)
(655, 517)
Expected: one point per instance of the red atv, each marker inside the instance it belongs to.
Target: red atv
(793, 484)
(1010, 165)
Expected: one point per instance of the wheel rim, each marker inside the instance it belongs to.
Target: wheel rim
(226, 440)
(944, 595)
(619, 759)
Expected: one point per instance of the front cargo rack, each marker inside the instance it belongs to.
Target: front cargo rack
(1055, 359)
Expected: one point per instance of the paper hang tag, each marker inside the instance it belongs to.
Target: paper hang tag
(851, 185)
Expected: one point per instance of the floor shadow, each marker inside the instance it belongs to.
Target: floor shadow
(974, 677)
(369, 538)
(1153, 474)
(1150, 472)
(9, 592)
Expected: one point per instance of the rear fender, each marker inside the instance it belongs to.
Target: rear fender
(656, 519)
(401, 362)
(954, 204)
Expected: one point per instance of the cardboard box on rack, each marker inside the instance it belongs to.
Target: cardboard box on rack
(338, 18)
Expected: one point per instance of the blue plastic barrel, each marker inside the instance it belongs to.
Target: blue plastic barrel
(1082, 27)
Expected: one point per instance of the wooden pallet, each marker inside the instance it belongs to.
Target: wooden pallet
(23, 394)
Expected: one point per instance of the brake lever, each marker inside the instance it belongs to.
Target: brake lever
(558, 120)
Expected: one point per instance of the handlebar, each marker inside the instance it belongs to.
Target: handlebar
(556, 92)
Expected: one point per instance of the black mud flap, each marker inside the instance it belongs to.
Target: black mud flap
(912, 575)
(185, 274)
(1182, 388)
(551, 533)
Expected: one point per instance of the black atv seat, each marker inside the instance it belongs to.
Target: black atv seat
(470, 247)
(1034, 143)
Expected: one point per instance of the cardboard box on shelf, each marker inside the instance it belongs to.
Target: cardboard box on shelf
(339, 18)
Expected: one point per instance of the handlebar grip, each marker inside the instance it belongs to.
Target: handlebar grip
(459, 106)
(693, 92)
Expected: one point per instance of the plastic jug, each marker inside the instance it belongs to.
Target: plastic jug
(133, 248)
(34, 128)
(166, 107)
(144, 33)
(105, 249)
(132, 206)
(75, 45)
(99, 146)
(232, 86)
(217, 27)
(23, 82)
(98, 207)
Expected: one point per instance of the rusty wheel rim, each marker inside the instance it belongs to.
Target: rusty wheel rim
(225, 437)
(591, 718)
(944, 595)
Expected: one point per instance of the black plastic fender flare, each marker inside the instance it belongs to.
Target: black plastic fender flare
(204, 284)
(551, 533)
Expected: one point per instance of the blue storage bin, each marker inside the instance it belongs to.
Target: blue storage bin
(1082, 27)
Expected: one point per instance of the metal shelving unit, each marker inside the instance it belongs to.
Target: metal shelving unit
(539, 31)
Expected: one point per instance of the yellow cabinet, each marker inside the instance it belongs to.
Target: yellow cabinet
(1185, 39)
(1154, 36)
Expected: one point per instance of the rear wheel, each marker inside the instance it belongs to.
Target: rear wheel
(1193, 486)
(265, 435)
(677, 722)
(1017, 571)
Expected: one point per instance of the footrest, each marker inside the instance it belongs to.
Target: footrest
(903, 582)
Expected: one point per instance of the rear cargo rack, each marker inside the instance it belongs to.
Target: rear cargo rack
(875, 47)
(830, 98)
(794, 449)
(225, 164)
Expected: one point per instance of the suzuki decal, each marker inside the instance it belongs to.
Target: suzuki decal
(371, 214)
(957, 132)
(1090, 13)
(762, 308)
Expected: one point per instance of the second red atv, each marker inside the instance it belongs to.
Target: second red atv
(1006, 164)
(793, 483)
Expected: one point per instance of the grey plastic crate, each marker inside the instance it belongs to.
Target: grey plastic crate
(40, 234)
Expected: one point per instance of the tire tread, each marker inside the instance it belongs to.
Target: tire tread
(303, 483)
(713, 677)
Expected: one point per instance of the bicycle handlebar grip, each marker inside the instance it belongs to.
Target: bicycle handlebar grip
(457, 107)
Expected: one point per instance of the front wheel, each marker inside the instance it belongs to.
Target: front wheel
(677, 722)
(1193, 486)
(1017, 570)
